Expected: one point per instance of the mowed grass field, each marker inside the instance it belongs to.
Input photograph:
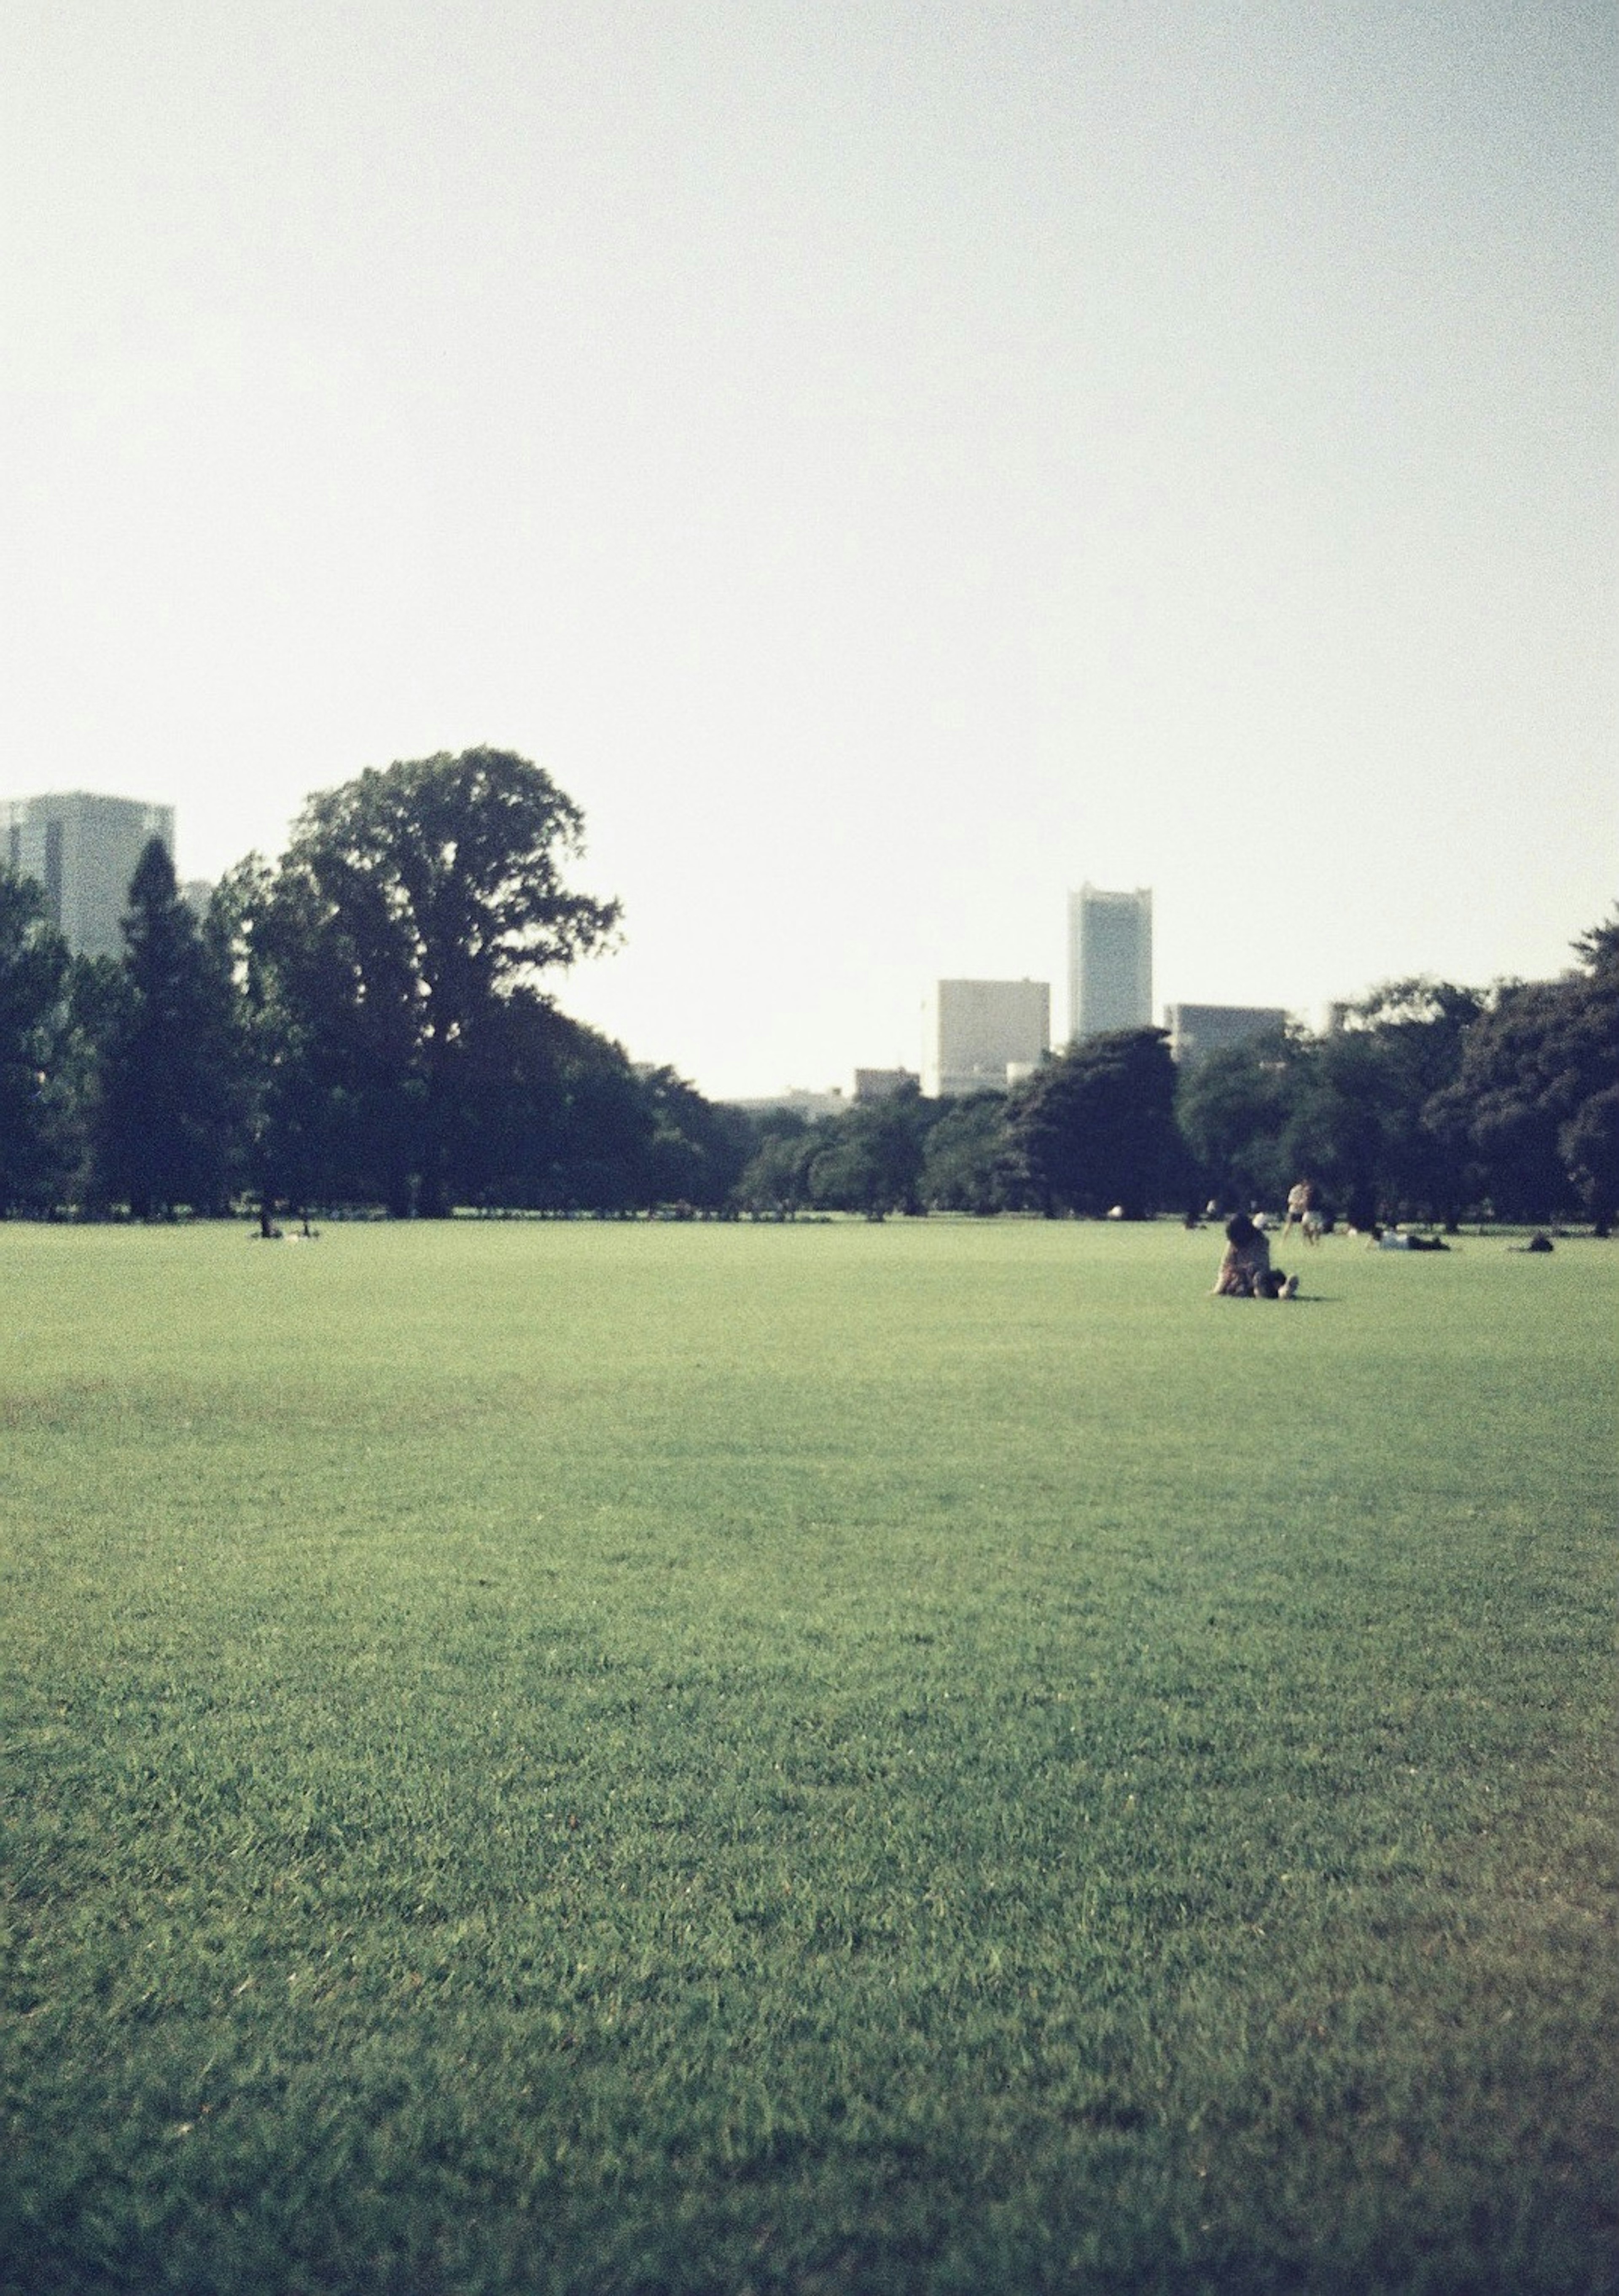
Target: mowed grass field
(933, 1757)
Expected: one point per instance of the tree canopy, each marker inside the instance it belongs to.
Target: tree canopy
(411, 907)
(163, 1121)
(1345, 1109)
(1534, 1099)
(1095, 1127)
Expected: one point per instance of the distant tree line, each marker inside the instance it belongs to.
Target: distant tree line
(365, 1023)
(1430, 1103)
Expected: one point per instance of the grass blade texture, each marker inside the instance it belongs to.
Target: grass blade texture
(934, 1756)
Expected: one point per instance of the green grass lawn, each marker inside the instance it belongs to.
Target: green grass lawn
(933, 1757)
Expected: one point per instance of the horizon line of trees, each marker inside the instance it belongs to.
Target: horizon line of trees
(365, 1023)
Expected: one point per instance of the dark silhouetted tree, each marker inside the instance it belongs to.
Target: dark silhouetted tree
(1535, 1098)
(869, 1159)
(1234, 1109)
(411, 904)
(774, 1182)
(37, 1145)
(697, 1150)
(969, 1162)
(1356, 1124)
(1096, 1127)
(162, 1125)
(1344, 1111)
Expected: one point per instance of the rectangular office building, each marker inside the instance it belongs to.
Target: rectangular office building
(81, 850)
(1109, 960)
(980, 1031)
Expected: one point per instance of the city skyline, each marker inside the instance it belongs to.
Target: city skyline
(80, 845)
(886, 467)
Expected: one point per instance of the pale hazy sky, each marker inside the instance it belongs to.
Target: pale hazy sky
(890, 463)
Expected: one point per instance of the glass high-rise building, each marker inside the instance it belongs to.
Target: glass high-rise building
(1109, 960)
(81, 849)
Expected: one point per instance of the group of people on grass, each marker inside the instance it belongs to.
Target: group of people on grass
(1245, 1272)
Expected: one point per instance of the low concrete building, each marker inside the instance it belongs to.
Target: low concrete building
(884, 1084)
(1196, 1030)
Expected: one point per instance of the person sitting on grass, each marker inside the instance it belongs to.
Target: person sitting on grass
(1245, 1272)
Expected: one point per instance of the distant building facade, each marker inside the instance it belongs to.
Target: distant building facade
(1109, 960)
(1196, 1030)
(978, 1030)
(884, 1084)
(81, 849)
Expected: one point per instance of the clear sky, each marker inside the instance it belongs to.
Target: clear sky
(891, 461)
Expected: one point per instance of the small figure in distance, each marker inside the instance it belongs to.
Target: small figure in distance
(1301, 1202)
(1539, 1241)
(1395, 1239)
(1245, 1272)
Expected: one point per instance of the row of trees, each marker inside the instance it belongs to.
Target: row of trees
(366, 1022)
(363, 1022)
(1094, 1129)
(1430, 1101)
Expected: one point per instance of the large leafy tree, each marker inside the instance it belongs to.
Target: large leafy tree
(969, 1163)
(1234, 1109)
(1356, 1122)
(163, 1121)
(774, 1183)
(412, 903)
(1343, 1109)
(284, 1149)
(869, 1159)
(1095, 1128)
(1535, 1098)
(697, 1151)
(34, 1114)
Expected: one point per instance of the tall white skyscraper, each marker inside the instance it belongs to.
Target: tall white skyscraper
(1109, 960)
(81, 849)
